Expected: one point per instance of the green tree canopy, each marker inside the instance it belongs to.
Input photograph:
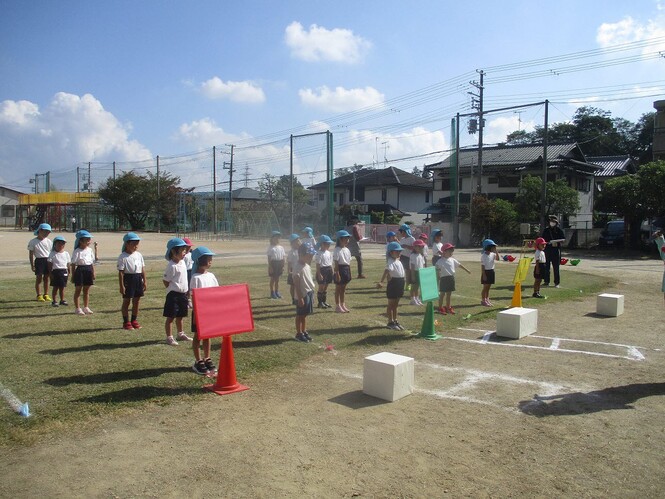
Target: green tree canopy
(134, 198)
(559, 198)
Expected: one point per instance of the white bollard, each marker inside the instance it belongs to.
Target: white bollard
(517, 322)
(609, 305)
(388, 376)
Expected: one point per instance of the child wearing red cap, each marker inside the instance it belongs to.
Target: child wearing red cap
(540, 261)
(446, 267)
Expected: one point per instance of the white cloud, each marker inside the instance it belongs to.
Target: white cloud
(629, 30)
(321, 44)
(497, 129)
(237, 91)
(71, 129)
(340, 99)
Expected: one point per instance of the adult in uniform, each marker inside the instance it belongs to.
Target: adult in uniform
(354, 244)
(554, 237)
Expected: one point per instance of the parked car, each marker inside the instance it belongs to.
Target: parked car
(612, 234)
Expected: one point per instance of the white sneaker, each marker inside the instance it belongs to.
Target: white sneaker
(420, 302)
(183, 337)
(413, 301)
(79, 311)
(86, 310)
(556, 285)
(170, 340)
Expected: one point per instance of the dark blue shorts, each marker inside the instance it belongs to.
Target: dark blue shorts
(83, 275)
(490, 278)
(447, 284)
(344, 275)
(326, 274)
(307, 308)
(41, 266)
(133, 285)
(59, 278)
(175, 305)
(395, 288)
(275, 268)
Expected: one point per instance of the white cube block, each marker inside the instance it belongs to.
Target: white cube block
(388, 376)
(517, 322)
(610, 305)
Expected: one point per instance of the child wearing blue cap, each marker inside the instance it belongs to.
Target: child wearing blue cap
(83, 271)
(175, 282)
(202, 278)
(303, 286)
(291, 261)
(394, 272)
(307, 236)
(276, 259)
(58, 266)
(342, 262)
(132, 280)
(324, 270)
(39, 248)
(488, 259)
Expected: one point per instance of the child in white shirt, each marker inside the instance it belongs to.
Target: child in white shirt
(276, 259)
(487, 261)
(58, 266)
(416, 262)
(82, 271)
(540, 261)
(446, 267)
(201, 278)
(175, 282)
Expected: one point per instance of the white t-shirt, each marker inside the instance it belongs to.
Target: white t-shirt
(342, 256)
(41, 248)
(407, 243)
(203, 280)
(292, 258)
(189, 263)
(131, 263)
(323, 258)
(487, 261)
(436, 248)
(416, 261)
(539, 256)
(447, 266)
(276, 253)
(302, 279)
(176, 275)
(395, 267)
(59, 260)
(83, 256)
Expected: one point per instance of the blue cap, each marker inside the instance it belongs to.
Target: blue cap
(60, 239)
(436, 232)
(325, 239)
(81, 234)
(308, 230)
(487, 243)
(342, 233)
(43, 226)
(197, 254)
(393, 246)
(306, 249)
(390, 233)
(293, 237)
(131, 236)
(174, 242)
(275, 233)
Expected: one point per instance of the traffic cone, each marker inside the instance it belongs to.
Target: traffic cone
(226, 377)
(427, 330)
(517, 295)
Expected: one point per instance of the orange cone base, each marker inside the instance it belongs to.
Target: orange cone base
(226, 390)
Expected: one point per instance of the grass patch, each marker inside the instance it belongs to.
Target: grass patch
(72, 369)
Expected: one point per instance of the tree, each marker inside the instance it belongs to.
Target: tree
(134, 197)
(559, 198)
(494, 218)
(278, 193)
(340, 172)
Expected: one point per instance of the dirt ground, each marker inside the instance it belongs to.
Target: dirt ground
(574, 410)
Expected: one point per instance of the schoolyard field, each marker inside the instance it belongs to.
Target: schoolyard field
(575, 409)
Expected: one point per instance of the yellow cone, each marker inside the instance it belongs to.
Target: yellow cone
(517, 295)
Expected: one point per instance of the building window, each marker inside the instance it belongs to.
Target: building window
(446, 184)
(505, 181)
(322, 196)
(427, 196)
(384, 195)
(360, 194)
(341, 198)
(583, 184)
(8, 211)
(492, 180)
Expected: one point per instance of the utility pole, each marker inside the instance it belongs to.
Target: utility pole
(246, 174)
(214, 189)
(159, 205)
(230, 169)
(385, 158)
(543, 190)
(478, 104)
(291, 179)
(89, 178)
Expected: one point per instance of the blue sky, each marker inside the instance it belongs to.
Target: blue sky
(126, 81)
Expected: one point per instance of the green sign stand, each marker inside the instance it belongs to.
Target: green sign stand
(429, 291)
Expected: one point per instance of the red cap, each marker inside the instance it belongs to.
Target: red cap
(424, 237)
(446, 247)
(419, 243)
(188, 241)
(540, 240)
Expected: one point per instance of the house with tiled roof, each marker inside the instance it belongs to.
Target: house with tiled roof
(388, 190)
(611, 167)
(502, 169)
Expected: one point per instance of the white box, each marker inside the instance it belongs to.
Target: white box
(388, 376)
(517, 322)
(610, 305)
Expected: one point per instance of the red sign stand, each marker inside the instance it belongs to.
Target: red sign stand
(224, 311)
